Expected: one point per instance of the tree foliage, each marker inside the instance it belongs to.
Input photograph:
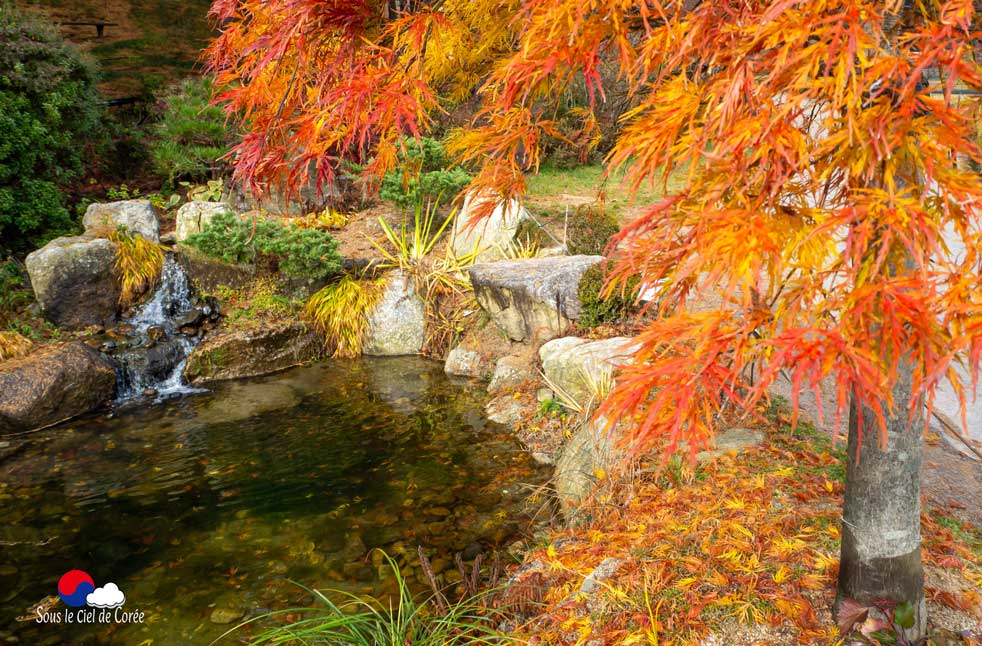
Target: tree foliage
(818, 141)
(192, 135)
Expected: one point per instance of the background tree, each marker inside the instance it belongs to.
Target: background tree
(818, 142)
(50, 110)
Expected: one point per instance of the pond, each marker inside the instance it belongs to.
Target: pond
(207, 508)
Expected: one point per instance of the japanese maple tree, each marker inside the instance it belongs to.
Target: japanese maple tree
(826, 228)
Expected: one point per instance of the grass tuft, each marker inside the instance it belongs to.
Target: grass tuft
(13, 345)
(340, 310)
(367, 621)
(138, 265)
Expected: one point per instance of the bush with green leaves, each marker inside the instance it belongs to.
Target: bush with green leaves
(423, 175)
(192, 135)
(50, 111)
(598, 309)
(589, 230)
(301, 253)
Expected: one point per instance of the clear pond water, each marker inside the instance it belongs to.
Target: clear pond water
(206, 507)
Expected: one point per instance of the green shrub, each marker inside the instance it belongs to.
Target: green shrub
(50, 110)
(191, 135)
(302, 253)
(597, 310)
(423, 175)
(589, 231)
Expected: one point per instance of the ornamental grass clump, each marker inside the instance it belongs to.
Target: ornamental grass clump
(13, 345)
(340, 311)
(353, 620)
(138, 265)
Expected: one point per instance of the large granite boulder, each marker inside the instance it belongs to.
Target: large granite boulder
(207, 274)
(397, 325)
(136, 216)
(252, 350)
(487, 236)
(53, 384)
(73, 281)
(533, 298)
(592, 451)
(572, 363)
(195, 216)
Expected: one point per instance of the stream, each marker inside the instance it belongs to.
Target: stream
(204, 509)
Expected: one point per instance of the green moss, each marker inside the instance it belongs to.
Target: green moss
(207, 362)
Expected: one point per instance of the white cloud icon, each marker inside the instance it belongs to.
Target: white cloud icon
(108, 596)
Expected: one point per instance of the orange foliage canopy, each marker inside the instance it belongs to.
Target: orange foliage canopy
(818, 139)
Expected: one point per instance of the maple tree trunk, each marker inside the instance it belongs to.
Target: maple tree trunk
(881, 522)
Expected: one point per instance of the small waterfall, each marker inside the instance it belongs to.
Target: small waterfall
(160, 350)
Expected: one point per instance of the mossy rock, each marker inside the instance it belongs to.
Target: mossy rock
(252, 351)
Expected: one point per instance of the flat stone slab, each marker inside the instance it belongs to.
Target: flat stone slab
(233, 353)
(534, 298)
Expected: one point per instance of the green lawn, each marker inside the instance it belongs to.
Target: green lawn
(552, 190)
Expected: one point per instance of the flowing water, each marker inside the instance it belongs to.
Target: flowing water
(160, 351)
(207, 507)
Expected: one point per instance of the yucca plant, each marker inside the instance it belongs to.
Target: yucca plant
(410, 249)
(340, 310)
(13, 345)
(519, 249)
(138, 265)
(367, 621)
(439, 279)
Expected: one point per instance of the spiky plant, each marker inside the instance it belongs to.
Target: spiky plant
(340, 310)
(439, 279)
(410, 249)
(138, 265)
(13, 345)
(367, 621)
(519, 248)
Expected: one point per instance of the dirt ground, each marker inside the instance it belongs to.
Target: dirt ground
(949, 479)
